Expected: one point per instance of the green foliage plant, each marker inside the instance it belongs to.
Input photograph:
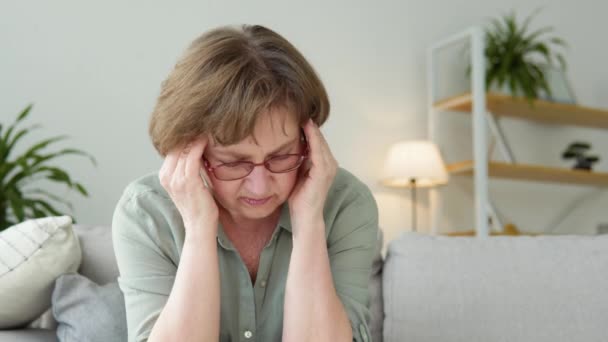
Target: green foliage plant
(20, 197)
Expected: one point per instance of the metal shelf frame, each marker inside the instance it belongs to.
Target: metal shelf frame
(475, 35)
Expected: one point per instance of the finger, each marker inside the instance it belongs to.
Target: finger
(325, 150)
(205, 177)
(202, 170)
(181, 162)
(314, 144)
(324, 157)
(194, 158)
(168, 167)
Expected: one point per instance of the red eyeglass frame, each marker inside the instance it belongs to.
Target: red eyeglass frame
(303, 156)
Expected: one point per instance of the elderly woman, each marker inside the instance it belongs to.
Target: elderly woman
(250, 231)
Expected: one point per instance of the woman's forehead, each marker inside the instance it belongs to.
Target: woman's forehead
(272, 130)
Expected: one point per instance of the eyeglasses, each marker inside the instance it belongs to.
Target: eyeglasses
(278, 164)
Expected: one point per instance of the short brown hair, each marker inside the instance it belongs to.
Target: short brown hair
(228, 77)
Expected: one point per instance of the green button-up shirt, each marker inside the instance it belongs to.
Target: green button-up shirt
(148, 236)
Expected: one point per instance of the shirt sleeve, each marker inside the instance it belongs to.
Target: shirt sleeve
(351, 251)
(147, 272)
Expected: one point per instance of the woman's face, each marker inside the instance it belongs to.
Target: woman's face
(277, 133)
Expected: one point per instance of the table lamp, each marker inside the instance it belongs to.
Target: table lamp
(414, 164)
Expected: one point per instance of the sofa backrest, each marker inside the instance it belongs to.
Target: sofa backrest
(98, 259)
(545, 288)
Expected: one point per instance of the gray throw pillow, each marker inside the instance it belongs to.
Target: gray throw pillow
(88, 312)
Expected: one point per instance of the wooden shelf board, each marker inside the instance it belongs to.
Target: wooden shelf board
(540, 111)
(534, 173)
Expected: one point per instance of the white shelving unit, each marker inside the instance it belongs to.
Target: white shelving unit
(476, 37)
(485, 107)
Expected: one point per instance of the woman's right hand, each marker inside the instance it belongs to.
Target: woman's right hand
(180, 175)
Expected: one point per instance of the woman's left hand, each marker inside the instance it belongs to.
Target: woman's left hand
(307, 199)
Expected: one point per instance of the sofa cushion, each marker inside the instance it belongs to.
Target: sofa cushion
(32, 255)
(546, 288)
(89, 312)
(28, 335)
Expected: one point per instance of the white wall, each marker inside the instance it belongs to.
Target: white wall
(93, 70)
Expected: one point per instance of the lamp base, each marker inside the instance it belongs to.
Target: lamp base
(413, 186)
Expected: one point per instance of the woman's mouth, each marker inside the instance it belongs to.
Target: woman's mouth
(255, 202)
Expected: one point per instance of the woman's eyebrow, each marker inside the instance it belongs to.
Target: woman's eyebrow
(241, 155)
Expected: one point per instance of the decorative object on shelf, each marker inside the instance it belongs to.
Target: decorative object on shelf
(518, 60)
(20, 199)
(577, 150)
(414, 164)
(509, 230)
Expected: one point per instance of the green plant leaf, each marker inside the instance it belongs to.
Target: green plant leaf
(11, 143)
(20, 117)
(42, 144)
(16, 205)
(510, 24)
(531, 38)
(52, 173)
(542, 49)
(525, 83)
(562, 61)
(4, 153)
(39, 159)
(526, 23)
(45, 206)
(498, 29)
(7, 223)
(31, 152)
(558, 41)
(25, 112)
(81, 189)
(16, 172)
(539, 77)
(514, 85)
(579, 145)
(511, 54)
(45, 193)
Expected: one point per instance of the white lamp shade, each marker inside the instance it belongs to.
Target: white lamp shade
(419, 160)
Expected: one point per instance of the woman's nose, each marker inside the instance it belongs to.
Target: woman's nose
(258, 181)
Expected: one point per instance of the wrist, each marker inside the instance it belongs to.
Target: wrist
(199, 231)
(309, 228)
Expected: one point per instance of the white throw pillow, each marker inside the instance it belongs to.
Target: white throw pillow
(32, 255)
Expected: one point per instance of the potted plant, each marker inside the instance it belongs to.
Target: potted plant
(578, 151)
(20, 198)
(516, 58)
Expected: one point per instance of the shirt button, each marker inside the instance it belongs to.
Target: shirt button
(263, 284)
(248, 334)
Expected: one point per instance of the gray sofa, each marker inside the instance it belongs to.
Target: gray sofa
(546, 288)
(98, 264)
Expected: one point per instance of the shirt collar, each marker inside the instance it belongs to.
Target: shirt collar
(285, 219)
(284, 222)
